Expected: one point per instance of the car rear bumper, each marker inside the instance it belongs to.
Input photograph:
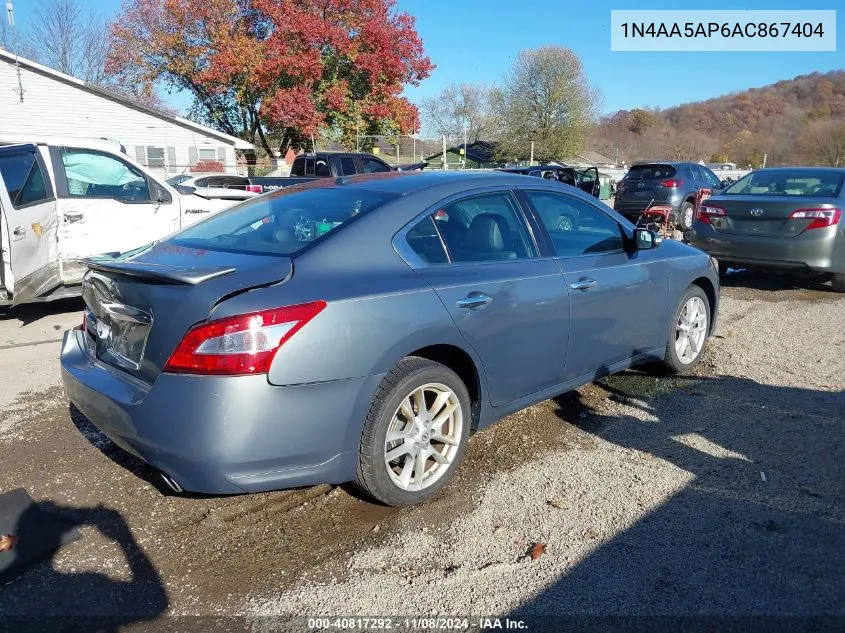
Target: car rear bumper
(816, 251)
(223, 435)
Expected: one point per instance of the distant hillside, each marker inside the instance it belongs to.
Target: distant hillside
(796, 121)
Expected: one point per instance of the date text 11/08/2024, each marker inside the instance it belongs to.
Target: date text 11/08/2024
(411, 624)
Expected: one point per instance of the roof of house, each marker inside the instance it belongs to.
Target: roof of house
(588, 157)
(123, 100)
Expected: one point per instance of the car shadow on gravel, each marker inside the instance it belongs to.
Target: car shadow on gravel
(48, 597)
(32, 312)
(759, 530)
(771, 282)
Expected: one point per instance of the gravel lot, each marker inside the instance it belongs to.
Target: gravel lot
(720, 493)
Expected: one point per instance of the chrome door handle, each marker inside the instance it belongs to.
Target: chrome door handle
(19, 231)
(73, 216)
(583, 284)
(474, 300)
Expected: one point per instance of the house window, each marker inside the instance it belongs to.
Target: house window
(155, 157)
(207, 154)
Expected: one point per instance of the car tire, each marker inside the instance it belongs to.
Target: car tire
(837, 280)
(723, 269)
(395, 409)
(686, 215)
(691, 323)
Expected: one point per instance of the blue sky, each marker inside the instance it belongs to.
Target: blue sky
(477, 40)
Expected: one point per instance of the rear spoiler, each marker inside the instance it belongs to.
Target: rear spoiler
(187, 275)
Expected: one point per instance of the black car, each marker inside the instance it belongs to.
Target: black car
(587, 180)
(670, 184)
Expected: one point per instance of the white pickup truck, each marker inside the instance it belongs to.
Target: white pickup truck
(62, 200)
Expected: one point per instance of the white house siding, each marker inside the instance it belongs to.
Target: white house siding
(56, 107)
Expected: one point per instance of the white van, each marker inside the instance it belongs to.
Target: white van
(62, 200)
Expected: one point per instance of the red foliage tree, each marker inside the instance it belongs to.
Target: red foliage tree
(276, 69)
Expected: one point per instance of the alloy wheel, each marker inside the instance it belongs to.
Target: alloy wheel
(423, 438)
(691, 330)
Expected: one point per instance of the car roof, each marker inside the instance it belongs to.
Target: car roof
(519, 170)
(803, 169)
(670, 163)
(405, 182)
(80, 142)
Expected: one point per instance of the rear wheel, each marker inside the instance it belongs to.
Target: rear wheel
(686, 215)
(838, 282)
(415, 433)
(688, 331)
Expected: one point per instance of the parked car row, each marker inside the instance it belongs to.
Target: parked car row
(359, 329)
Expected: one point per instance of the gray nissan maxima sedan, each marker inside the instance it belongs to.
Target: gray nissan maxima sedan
(359, 329)
(782, 218)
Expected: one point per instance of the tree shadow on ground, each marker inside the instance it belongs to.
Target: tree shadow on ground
(53, 599)
(759, 530)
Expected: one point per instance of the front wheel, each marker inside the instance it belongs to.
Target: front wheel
(415, 433)
(688, 331)
(838, 282)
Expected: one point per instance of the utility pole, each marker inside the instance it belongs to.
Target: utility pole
(414, 136)
(531, 160)
(765, 156)
(465, 144)
(10, 13)
(445, 164)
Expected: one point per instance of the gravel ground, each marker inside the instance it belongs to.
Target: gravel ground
(720, 493)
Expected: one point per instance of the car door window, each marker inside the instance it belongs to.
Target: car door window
(574, 226)
(486, 227)
(347, 166)
(93, 174)
(424, 240)
(322, 170)
(372, 166)
(24, 179)
(711, 179)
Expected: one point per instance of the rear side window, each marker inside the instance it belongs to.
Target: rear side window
(425, 242)
(789, 182)
(372, 166)
(650, 172)
(283, 223)
(24, 179)
(298, 168)
(347, 166)
(484, 228)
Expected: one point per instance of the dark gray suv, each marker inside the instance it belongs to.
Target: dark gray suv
(672, 184)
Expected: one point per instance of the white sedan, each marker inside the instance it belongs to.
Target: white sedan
(209, 193)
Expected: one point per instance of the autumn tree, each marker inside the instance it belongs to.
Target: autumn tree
(546, 99)
(457, 105)
(277, 69)
(824, 143)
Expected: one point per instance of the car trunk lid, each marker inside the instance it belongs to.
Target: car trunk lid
(766, 216)
(140, 305)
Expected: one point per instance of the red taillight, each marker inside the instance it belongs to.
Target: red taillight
(706, 212)
(244, 344)
(255, 188)
(671, 183)
(821, 218)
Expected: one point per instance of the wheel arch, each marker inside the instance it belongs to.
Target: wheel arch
(463, 364)
(707, 286)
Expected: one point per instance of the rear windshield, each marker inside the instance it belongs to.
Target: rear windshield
(650, 172)
(788, 183)
(282, 223)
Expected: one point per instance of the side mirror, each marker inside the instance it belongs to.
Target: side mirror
(646, 239)
(727, 183)
(185, 190)
(160, 195)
